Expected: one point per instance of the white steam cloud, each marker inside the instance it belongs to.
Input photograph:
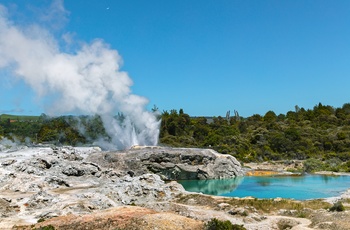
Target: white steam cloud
(88, 81)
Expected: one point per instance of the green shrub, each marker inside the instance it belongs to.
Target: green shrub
(338, 207)
(346, 166)
(313, 165)
(215, 224)
(48, 227)
(41, 220)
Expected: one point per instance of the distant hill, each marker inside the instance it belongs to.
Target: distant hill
(18, 117)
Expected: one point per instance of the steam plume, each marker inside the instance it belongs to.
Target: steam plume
(88, 81)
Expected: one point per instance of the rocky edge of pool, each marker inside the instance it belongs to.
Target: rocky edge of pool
(86, 188)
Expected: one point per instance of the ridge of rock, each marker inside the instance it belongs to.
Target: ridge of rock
(172, 163)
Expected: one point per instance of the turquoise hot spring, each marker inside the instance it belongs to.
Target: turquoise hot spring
(293, 187)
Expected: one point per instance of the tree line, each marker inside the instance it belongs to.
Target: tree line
(319, 134)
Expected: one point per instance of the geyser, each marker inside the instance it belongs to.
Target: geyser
(87, 80)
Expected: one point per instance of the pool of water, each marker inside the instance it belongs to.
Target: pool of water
(294, 187)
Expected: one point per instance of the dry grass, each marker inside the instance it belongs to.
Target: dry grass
(197, 199)
(267, 206)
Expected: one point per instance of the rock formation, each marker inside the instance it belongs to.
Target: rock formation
(172, 163)
(41, 183)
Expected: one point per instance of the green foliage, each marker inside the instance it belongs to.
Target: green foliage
(60, 131)
(57, 130)
(337, 207)
(48, 227)
(312, 165)
(41, 220)
(345, 167)
(18, 118)
(320, 133)
(19, 128)
(215, 224)
(270, 116)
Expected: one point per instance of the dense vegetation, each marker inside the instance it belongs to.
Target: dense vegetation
(319, 135)
(299, 134)
(70, 130)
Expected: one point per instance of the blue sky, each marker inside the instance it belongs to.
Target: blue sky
(206, 57)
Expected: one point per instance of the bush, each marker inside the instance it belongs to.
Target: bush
(313, 165)
(338, 207)
(41, 220)
(346, 166)
(48, 227)
(215, 224)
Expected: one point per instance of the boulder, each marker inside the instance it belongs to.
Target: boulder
(171, 163)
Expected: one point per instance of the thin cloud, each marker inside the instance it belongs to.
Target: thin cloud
(56, 16)
(16, 110)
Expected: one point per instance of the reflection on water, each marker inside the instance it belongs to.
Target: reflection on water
(267, 180)
(329, 178)
(212, 187)
(264, 183)
(296, 187)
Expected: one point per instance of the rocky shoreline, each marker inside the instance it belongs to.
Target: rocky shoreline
(86, 188)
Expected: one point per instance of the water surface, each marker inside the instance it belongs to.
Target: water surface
(294, 187)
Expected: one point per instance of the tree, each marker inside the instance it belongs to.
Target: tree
(270, 116)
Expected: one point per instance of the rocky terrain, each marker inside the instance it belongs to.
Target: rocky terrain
(170, 163)
(43, 182)
(86, 188)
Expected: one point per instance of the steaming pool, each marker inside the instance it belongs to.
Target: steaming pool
(293, 187)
